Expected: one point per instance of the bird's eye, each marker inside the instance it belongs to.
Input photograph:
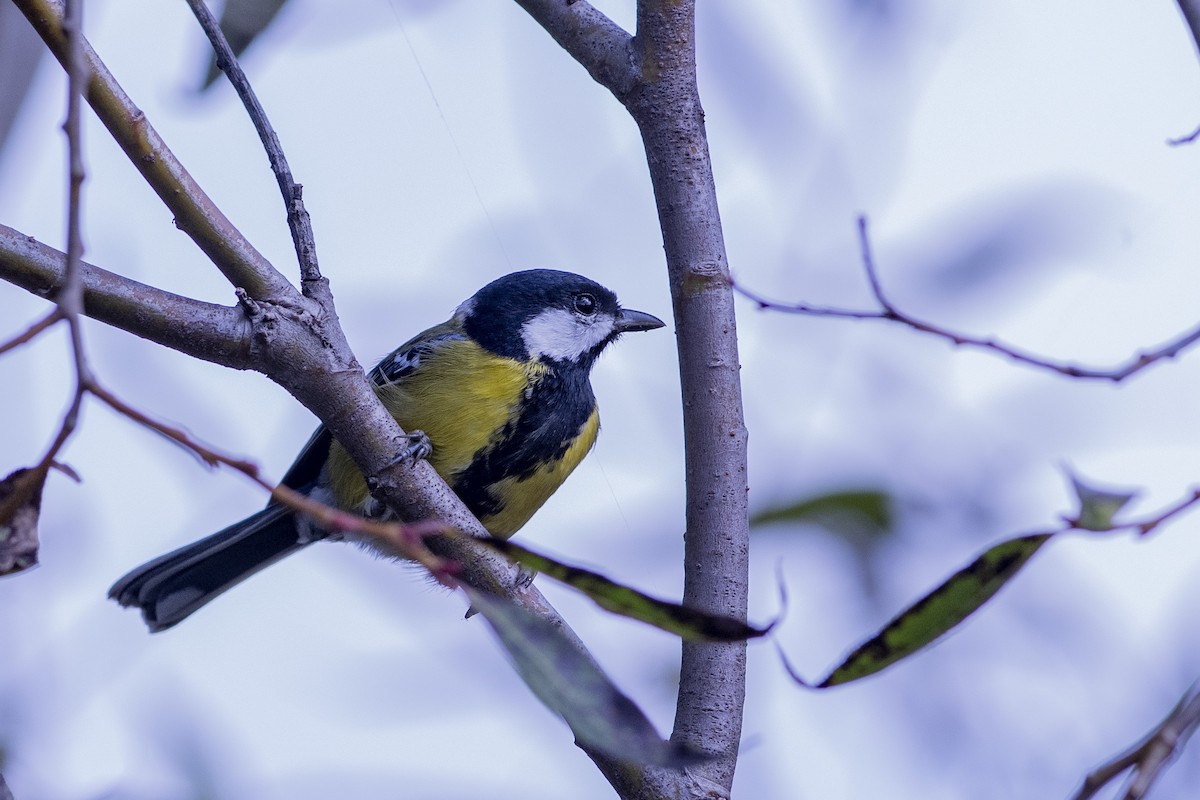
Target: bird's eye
(585, 304)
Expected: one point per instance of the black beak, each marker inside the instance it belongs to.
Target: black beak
(629, 320)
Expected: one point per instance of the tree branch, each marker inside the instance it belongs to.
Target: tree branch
(299, 223)
(654, 77)
(1191, 15)
(224, 336)
(31, 332)
(600, 45)
(295, 342)
(890, 312)
(203, 330)
(1147, 760)
(667, 110)
(195, 213)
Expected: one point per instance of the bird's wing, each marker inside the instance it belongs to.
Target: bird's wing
(406, 359)
(394, 367)
(306, 468)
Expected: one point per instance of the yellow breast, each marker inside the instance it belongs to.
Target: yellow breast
(463, 398)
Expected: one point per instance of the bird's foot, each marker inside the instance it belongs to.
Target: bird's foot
(419, 447)
(524, 577)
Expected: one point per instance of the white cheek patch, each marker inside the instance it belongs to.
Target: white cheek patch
(560, 335)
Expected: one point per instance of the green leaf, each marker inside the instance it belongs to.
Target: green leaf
(1097, 507)
(939, 611)
(572, 685)
(848, 512)
(619, 599)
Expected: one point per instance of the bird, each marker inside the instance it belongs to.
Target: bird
(498, 398)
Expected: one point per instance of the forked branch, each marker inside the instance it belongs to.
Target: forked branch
(890, 312)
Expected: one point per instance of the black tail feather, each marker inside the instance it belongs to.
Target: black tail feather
(169, 588)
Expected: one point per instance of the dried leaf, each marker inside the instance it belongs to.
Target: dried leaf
(20, 504)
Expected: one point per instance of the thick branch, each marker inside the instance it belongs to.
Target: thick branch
(659, 90)
(716, 546)
(600, 45)
(203, 330)
(195, 213)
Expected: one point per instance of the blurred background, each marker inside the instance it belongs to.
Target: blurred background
(1012, 159)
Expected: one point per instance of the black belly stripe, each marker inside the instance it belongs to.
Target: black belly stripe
(548, 421)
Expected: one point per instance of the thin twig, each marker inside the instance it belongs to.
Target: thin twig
(32, 331)
(70, 295)
(69, 298)
(298, 220)
(194, 211)
(408, 539)
(1147, 759)
(890, 312)
(1186, 139)
(1146, 524)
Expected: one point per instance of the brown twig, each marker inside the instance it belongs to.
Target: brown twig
(408, 539)
(890, 312)
(32, 331)
(69, 299)
(1145, 525)
(299, 221)
(70, 295)
(1147, 759)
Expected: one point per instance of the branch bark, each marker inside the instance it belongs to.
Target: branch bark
(600, 45)
(667, 109)
(662, 96)
(207, 331)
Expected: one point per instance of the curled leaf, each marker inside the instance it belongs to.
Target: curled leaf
(674, 618)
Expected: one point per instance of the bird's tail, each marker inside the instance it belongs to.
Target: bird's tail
(169, 588)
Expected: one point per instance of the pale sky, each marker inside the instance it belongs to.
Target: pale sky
(1012, 159)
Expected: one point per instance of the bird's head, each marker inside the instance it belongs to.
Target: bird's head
(550, 315)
